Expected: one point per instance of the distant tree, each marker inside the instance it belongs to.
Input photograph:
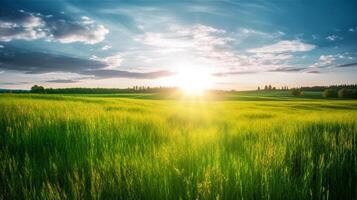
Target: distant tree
(347, 93)
(265, 87)
(274, 88)
(258, 88)
(269, 88)
(37, 89)
(296, 92)
(330, 93)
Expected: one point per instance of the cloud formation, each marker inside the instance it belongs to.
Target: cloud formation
(346, 65)
(333, 38)
(353, 29)
(287, 69)
(327, 60)
(21, 25)
(106, 47)
(107, 73)
(31, 62)
(111, 62)
(179, 38)
(285, 46)
(62, 81)
(314, 72)
(213, 48)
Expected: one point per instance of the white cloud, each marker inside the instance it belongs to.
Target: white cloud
(87, 20)
(205, 45)
(111, 62)
(28, 27)
(106, 47)
(31, 26)
(89, 34)
(333, 38)
(141, 27)
(327, 60)
(2, 46)
(197, 37)
(246, 32)
(211, 47)
(195, 45)
(353, 29)
(284, 46)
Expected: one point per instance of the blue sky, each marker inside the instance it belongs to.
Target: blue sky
(236, 44)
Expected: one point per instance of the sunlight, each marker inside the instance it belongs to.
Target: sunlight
(193, 81)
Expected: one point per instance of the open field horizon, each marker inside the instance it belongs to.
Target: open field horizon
(178, 100)
(132, 147)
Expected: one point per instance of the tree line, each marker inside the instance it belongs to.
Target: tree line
(333, 87)
(340, 93)
(135, 89)
(269, 87)
(333, 91)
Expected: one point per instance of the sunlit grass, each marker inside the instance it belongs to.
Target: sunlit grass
(58, 147)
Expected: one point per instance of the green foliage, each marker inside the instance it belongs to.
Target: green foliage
(37, 89)
(296, 92)
(330, 93)
(323, 88)
(135, 89)
(105, 147)
(341, 93)
(347, 93)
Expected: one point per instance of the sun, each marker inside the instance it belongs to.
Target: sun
(193, 81)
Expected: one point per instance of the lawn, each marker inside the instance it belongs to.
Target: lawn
(141, 146)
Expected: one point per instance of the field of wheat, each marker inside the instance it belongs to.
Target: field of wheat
(92, 147)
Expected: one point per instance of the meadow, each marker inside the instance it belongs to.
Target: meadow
(141, 146)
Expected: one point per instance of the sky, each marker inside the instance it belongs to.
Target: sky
(237, 45)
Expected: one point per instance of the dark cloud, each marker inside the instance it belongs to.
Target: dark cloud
(31, 62)
(20, 25)
(63, 81)
(30, 26)
(282, 69)
(346, 65)
(38, 62)
(67, 31)
(286, 69)
(314, 72)
(126, 74)
(14, 83)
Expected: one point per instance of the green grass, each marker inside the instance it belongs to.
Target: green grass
(125, 147)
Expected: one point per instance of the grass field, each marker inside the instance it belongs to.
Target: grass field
(138, 146)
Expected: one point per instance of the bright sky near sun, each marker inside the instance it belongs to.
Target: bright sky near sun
(194, 45)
